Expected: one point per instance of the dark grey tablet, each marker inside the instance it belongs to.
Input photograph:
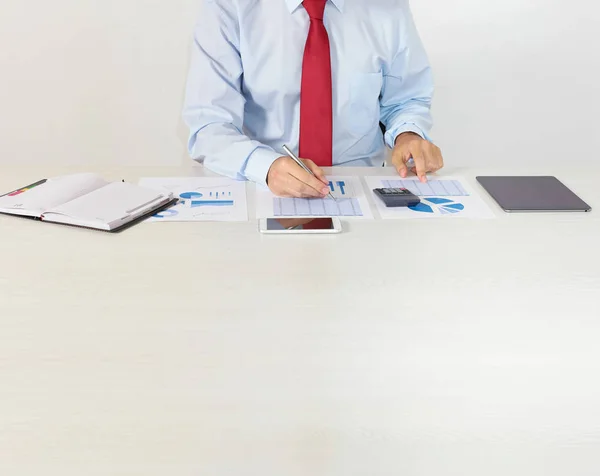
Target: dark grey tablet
(532, 194)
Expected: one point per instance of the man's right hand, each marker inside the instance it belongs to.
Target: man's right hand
(287, 179)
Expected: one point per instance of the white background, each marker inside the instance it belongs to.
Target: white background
(87, 81)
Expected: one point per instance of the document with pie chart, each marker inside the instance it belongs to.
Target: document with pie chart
(448, 197)
(201, 199)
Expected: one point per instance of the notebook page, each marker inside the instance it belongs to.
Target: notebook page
(108, 207)
(54, 192)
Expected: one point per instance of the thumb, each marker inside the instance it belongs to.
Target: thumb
(315, 169)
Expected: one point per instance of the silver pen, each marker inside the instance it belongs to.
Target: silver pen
(301, 164)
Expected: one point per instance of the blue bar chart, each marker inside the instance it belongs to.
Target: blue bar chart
(339, 186)
(214, 199)
(202, 198)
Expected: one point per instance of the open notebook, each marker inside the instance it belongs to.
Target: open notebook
(85, 200)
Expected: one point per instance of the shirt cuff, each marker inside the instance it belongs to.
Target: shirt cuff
(392, 134)
(258, 164)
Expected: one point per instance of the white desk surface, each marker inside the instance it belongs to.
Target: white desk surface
(398, 348)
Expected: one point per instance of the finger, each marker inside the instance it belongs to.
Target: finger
(429, 158)
(318, 171)
(300, 189)
(439, 158)
(318, 187)
(400, 163)
(420, 164)
(432, 157)
(291, 181)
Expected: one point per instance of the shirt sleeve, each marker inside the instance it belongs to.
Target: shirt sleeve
(214, 103)
(407, 86)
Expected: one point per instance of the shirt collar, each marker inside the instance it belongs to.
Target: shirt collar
(293, 4)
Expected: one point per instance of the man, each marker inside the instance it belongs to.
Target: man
(317, 75)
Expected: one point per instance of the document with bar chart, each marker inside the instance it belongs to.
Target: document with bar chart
(201, 199)
(448, 197)
(350, 202)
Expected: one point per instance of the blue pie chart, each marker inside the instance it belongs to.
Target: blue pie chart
(444, 205)
(167, 214)
(190, 195)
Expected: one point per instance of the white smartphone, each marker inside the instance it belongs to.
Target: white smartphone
(288, 226)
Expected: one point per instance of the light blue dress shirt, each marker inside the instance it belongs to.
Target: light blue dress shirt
(243, 92)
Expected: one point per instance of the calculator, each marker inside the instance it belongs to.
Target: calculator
(397, 197)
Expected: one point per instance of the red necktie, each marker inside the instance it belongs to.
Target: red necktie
(316, 110)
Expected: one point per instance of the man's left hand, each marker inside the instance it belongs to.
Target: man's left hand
(426, 156)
